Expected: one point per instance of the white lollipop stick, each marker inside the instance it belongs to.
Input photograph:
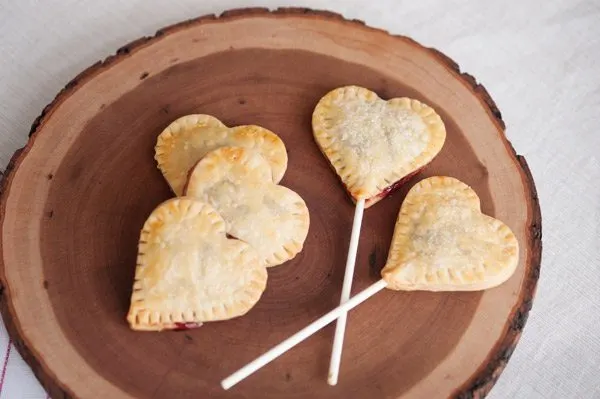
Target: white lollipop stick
(301, 335)
(340, 328)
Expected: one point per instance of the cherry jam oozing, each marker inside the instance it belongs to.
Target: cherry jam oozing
(186, 326)
(395, 186)
(390, 189)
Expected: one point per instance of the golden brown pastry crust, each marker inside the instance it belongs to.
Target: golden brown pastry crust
(235, 164)
(188, 271)
(442, 241)
(372, 143)
(271, 218)
(189, 138)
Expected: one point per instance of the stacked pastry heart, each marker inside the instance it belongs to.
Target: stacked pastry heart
(203, 256)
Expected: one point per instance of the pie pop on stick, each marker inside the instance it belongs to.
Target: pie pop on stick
(374, 146)
(441, 242)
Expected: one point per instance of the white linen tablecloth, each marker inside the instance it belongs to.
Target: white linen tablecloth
(540, 61)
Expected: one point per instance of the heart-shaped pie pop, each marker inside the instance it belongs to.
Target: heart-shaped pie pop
(189, 138)
(442, 241)
(271, 218)
(375, 145)
(189, 272)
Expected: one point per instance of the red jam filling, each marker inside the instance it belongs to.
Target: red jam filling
(186, 326)
(395, 186)
(390, 189)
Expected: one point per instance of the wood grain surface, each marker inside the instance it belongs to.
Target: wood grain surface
(74, 199)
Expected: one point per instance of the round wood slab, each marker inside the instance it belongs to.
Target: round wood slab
(74, 200)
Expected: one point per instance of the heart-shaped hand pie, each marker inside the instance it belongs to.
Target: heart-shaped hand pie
(273, 219)
(189, 272)
(189, 138)
(234, 164)
(442, 241)
(375, 145)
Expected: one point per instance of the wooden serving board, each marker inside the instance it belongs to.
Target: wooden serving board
(74, 200)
